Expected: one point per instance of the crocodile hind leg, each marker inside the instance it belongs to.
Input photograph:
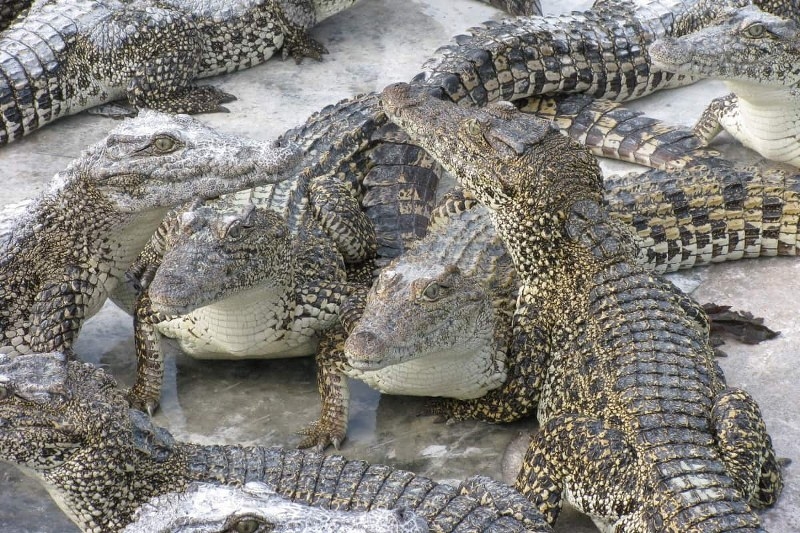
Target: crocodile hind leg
(572, 448)
(146, 391)
(746, 448)
(294, 18)
(331, 427)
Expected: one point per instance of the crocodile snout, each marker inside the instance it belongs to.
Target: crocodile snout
(364, 350)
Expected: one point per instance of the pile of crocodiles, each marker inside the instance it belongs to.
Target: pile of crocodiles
(533, 291)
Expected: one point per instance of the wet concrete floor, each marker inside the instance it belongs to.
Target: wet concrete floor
(263, 402)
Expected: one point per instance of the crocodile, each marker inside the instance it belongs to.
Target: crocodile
(258, 287)
(755, 53)
(601, 52)
(68, 424)
(255, 507)
(65, 57)
(447, 303)
(58, 265)
(402, 341)
(638, 427)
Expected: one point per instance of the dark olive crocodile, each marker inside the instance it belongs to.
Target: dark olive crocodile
(64, 57)
(69, 425)
(639, 429)
(58, 264)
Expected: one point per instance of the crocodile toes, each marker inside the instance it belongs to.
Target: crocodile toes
(319, 435)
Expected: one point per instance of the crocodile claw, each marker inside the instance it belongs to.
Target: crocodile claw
(136, 401)
(321, 434)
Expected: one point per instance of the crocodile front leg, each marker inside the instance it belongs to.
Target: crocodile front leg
(719, 115)
(145, 394)
(339, 213)
(59, 310)
(331, 427)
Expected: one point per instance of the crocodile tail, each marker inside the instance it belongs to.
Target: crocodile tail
(31, 89)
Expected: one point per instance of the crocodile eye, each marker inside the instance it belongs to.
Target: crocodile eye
(234, 231)
(755, 30)
(431, 292)
(164, 144)
(250, 525)
(473, 127)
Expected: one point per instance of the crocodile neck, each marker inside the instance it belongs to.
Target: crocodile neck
(256, 329)
(767, 120)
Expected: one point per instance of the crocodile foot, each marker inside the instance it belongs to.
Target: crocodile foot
(321, 434)
(139, 400)
(116, 110)
(192, 100)
(301, 45)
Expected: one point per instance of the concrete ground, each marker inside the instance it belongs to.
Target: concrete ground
(264, 402)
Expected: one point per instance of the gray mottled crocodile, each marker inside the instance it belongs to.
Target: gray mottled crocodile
(756, 54)
(236, 281)
(64, 57)
(448, 302)
(70, 427)
(254, 508)
(601, 52)
(58, 265)
(638, 428)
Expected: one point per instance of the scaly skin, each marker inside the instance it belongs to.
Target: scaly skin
(601, 52)
(755, 53)
(68, 425)
(71, 247)
(455, 343)
(64, 57)
(638, 425)
(254, 508)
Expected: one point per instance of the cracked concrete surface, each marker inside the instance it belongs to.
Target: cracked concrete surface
(375, 43)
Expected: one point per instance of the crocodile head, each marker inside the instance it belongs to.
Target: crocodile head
(220, 251)
(503, 156)
(254, 508)
(158, 161)
(432, 321)
(743, 45)
(49, 410)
